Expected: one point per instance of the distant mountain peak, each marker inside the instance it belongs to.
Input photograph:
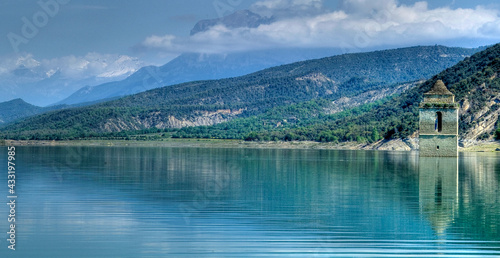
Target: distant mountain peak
(18, 100)
(238, 19)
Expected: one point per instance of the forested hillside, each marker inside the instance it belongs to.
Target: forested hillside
(206, 103)
(17, 109)
(474, 81)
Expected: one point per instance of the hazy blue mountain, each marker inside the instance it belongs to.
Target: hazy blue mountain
(192, 67)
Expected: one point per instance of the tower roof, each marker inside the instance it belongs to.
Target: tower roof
(439, 89)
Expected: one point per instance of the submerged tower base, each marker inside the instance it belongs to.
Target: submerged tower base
(438, 145)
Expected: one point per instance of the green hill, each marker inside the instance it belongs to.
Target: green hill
(206, 103)
(474, 81)
(16, 109)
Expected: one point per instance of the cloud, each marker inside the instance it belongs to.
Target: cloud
(287, 8)
(367, 7)
(357, 24)
(46, 81)
(288, 4)
(73, 67)
(93, 65)
(9, 64)
(491, 28)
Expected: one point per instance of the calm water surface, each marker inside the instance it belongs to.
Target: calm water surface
(202, 202)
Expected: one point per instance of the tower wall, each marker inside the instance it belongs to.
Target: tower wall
(428, 121)
(435, 143)
(438, 145)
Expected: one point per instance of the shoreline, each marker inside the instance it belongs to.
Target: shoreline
(195, 143)
(491, 146)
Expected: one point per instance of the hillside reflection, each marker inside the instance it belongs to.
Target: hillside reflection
(461, 195)
(479, 197)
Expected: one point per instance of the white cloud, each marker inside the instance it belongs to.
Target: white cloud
(491, 28)
(288, 8)
(7, 65)
(358, 24)
(367, 7)
(73, 67)
(286, 4)
(46, 81)
(157, 41)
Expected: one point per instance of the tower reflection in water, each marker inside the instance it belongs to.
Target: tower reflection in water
(439, 191)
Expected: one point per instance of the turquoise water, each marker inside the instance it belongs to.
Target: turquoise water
(203, 202)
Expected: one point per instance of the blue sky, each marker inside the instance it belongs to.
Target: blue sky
(80, 34)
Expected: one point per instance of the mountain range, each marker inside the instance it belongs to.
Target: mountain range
(42, 82)
(195, 66)
(207, 103)
(192, 67)
(474, 82)
(101, 77)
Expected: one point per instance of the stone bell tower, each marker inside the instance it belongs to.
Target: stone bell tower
(438, 123)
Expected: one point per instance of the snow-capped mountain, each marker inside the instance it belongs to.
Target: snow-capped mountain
(43, 82)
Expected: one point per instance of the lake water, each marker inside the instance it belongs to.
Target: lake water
(209, 202)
